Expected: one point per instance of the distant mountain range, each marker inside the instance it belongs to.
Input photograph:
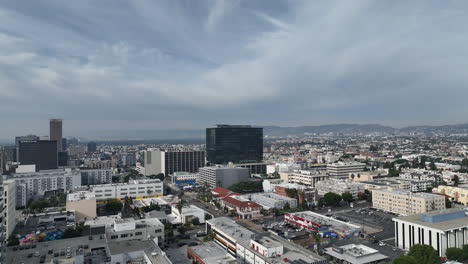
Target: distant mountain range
(197, 134)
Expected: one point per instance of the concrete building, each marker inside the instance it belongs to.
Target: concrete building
(344, 169)
(134, 252)
(209, 253)
(55, 129)
(339, 186)
(254, 168)
(131, 229)
(188, 213)
(272, 200)
(8, 207)
(405, 202)
(355, 254)
(137, 189)
(440, 229)
(386, 183)
(33, 185)
(92, 146)
(83, 203)
(96, 176)
(308, 177)
(457, 194)
(251, 248)
(222, 175)
(181, 179)
(167, 161)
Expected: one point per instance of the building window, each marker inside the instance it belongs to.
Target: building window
(138, 233)
(114, 237)
(123, 235)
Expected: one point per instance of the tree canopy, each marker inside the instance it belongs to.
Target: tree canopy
(347, 197)
(424, 254)
(331, 199)
(405, 259)
(247, 187)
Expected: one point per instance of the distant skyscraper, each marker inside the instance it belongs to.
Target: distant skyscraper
(237, 144)
(56, 132)
(92, 147)
(64, 144)
(42, 153)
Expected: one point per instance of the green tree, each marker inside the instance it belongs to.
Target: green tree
(373, 148)
(424, 254)
(208, 217)
(455, 254)
(181, 230)
(347, 197)
(38, 205)
(405, 259)
(195, 221)
(287, 206)
(432, 166)
(13, 240)
(113, 206)
(247, 187)
(180, 205)
(332, 199)
(464, 164)
(456, 180)
(448, 203)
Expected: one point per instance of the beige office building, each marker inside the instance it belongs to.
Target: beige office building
(405, 202)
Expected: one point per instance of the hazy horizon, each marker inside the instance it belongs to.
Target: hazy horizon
(135, 65)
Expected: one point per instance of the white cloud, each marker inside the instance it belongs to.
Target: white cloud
(320, 56)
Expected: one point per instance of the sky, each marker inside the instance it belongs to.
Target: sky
(178, 64)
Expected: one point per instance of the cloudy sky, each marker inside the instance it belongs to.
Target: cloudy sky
(152, 64)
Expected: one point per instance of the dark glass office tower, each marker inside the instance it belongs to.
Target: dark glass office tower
(237, 144)
(42, 153)
(55, 126)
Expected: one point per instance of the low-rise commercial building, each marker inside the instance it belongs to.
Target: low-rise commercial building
(251, 248)
(321, 224)
(339, 186)
(355, 254)
(244, 208)
(272, 200)
(188, 213)
(440, 229)
(457, 194)
(405, 202)
(137, 189)
(344, 169)
(209, 253)
(308, 177)
(146, 251)
(223, 176)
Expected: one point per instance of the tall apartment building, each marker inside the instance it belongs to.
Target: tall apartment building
(55, 126)
(31, 185)
(236, 144)
(96, 176)
(405, 202)
(343, 169)
(9, 206)
(42, 153)
(440, 229)
(92, 146)
(222, 176)
(167, 161)
(3, 237)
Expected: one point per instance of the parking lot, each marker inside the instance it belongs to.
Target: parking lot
(374, 219)
(56, 250)
(44, 223)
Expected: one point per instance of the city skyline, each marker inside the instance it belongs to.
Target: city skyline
(178, 65)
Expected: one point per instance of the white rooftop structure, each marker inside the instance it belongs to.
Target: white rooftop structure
(355, 254)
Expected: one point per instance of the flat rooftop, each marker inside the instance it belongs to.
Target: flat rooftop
(81, 195)
(404, 192)
(442, 225)
(152, 251)
(210, 252)
(231, 228)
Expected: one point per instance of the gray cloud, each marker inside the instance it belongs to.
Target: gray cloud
(182, 64)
